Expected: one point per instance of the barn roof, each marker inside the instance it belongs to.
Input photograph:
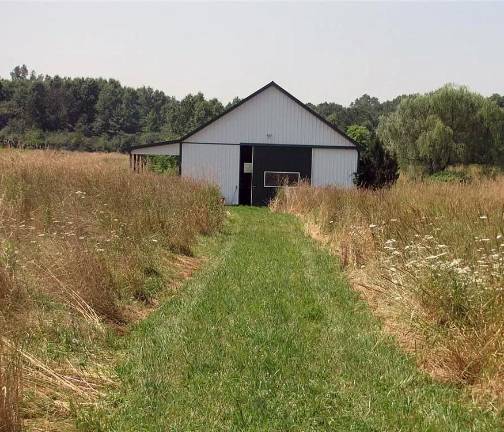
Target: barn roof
(227, 111)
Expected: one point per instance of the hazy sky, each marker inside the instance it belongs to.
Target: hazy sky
(317, 51)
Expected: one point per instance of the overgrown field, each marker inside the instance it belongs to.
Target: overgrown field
(429, 258)
(86, 247)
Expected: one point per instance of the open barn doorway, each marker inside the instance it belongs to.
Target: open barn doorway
(245, 193)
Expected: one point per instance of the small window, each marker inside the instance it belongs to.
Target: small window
(280, 178)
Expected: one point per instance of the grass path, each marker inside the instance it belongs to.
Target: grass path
(269, 337)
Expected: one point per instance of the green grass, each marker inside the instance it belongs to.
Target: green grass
(269, 337)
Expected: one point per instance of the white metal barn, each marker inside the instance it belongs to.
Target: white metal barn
(267, 140)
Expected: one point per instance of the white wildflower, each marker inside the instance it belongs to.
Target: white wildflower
(432, 257)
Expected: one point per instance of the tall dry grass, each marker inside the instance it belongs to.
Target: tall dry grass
(429, 258)
(10, 387)
(85, 246)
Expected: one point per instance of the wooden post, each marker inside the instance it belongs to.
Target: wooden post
(130, 161)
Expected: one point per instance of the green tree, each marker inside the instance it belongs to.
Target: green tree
(376, 167)
(129, 115)
(19, 73)
(235, 101)
(359, 133)
(497, 99)
(109, 109)
(365, 111)
(435, 144)
(449, 126)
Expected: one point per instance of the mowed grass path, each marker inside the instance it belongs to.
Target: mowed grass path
(269, 337)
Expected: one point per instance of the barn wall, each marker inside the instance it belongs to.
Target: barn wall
(333, 167)
(165, 149)
(218, 164)
(270, 112)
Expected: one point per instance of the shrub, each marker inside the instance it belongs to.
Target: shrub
(450, 176)
(163, 164)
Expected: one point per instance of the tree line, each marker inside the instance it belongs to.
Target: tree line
(422, 133)
(93, 113)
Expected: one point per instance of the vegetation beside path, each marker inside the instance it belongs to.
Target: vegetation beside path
(428, 257)
(87, 247)
(269, 336)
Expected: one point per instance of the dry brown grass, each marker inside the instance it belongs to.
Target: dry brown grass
(10, 387)
(85, 246)
(429, 258)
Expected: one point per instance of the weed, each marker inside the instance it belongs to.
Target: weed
(429, 258)
(10, 390)
(82, 240)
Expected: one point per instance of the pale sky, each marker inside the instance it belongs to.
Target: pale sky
(317, 51)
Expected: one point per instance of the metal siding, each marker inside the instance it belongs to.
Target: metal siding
(218, 164)
(270, 112)
(166, 149)
(333, 167)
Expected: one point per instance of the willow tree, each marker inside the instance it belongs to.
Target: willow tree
(449, 126)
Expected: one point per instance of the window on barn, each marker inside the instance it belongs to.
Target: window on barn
(280, 178)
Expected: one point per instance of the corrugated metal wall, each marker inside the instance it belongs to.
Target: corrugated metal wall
(219, 164)
(333, 167)
(166, 149)
(271, 117)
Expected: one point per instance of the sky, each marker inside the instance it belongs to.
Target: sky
(317, 51)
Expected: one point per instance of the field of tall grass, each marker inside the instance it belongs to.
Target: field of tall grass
(429, 259)
(86, 247)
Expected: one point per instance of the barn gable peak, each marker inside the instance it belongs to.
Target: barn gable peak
(256, 95)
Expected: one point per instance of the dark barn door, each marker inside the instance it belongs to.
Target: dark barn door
(275, 166)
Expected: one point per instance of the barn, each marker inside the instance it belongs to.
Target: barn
(267, 140)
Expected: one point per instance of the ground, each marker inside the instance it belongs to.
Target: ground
(269, 337)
